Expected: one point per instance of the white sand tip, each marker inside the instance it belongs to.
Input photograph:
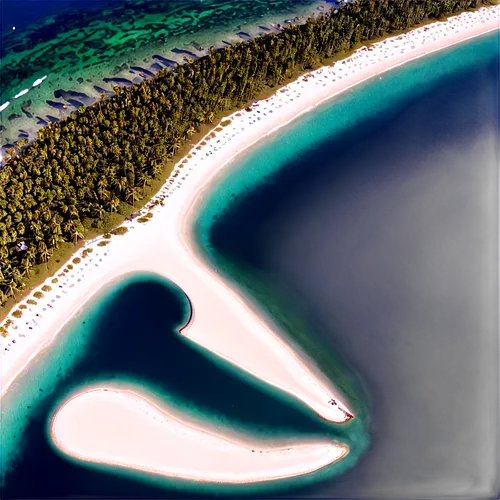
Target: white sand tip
(25, 91)
(39, 81)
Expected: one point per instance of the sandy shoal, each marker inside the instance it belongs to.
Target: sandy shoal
(95, 426)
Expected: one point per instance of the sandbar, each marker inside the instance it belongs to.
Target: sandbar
(95, 426)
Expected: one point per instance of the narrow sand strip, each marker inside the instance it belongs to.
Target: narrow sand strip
(223, 321)
(95, 425)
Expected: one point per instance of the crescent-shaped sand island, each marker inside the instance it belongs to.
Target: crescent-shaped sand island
(95, 425)
(124, 428)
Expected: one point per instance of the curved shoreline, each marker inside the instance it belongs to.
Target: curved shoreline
(164, 245)
(93, 426)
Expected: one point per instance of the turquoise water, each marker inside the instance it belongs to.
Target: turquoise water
(238, 230)
(262, 163)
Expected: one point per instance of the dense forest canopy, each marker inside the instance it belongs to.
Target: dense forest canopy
(103, 156)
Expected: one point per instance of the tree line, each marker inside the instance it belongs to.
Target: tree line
(103, 156)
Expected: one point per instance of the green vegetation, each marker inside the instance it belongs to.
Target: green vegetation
(87, 251)
(17, 313)
(120, 230)
(38, 295)
(32, 302)
(103, 243)
(76, 260)
(46, 288)
(84, 174)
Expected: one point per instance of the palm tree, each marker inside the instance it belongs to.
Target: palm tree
(175, 146)
(140, 179)
(132, 195)
(17, 276)
(25, 266)
(121, 183)
(114, 203)
(76, 235)
(190, 132)
(44, 253)
(31, 254)
(12, 287)
(155, 170)
(99, 211)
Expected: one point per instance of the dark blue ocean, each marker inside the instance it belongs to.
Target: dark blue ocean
(367, 230)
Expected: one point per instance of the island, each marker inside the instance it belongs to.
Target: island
(95, 425)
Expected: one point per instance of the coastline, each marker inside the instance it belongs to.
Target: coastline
(93, 425)
(182, 263)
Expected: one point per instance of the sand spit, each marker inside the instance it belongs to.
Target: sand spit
(223, 321)
(95, 425)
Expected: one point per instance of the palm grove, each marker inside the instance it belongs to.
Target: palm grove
(103, 156)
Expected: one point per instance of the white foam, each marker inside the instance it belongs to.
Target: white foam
(39, 81)
(25, 91)
(4, 106)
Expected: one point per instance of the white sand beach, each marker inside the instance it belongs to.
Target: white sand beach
(94, 425)
(222, 321)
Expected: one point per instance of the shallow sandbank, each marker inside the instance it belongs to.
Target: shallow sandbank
(120, 427)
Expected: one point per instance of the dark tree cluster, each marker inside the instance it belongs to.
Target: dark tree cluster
(105, 155)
